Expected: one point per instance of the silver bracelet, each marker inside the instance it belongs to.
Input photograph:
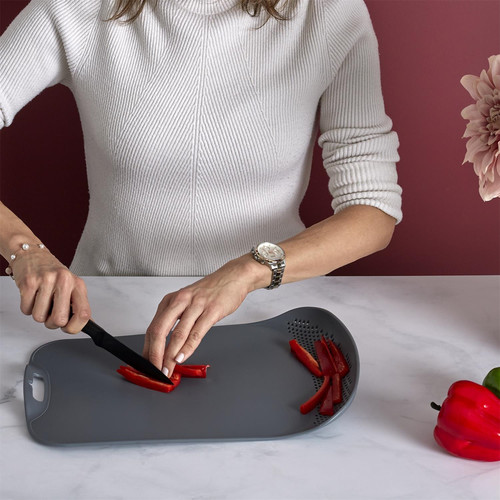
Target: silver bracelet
(24, 247)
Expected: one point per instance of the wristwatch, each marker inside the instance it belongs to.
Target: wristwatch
(272, 256)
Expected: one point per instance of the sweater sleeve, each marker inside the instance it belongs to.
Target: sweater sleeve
(42, 47)
(358, 145)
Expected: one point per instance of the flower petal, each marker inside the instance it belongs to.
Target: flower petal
(489, 190)
(477, 160)
(476, 128)
(475, 144)
(485, 79)
(484, 88)
(471, 112)
(494, 66)
(486, 166)
(469, 82)
(492, 139)
(483, 106)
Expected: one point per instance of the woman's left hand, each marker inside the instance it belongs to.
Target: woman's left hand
(197, 308)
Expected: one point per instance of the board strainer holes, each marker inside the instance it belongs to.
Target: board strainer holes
(304, 332)
(38, 388)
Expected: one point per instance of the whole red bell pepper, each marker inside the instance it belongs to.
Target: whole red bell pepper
(468, 423)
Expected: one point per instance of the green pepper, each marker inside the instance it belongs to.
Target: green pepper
(492, 381)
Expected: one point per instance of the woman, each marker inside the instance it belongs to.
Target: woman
(199, 119)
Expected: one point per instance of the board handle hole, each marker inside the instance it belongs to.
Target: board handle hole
(38, 388)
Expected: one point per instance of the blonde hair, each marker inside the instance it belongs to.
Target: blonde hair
(131, 9)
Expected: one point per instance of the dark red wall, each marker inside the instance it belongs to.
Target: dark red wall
(426, 46)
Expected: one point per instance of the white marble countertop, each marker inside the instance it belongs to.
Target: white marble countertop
(415, 335)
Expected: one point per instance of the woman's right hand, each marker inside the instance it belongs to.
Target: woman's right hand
(50, 292)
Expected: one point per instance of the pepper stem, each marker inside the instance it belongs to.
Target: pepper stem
(435, 406)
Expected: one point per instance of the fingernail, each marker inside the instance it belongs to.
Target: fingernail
(179, 357)
(165, 371)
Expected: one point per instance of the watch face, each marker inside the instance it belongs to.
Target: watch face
(270, 251)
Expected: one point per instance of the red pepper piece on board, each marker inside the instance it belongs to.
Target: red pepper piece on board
(338, 357)
(468, 424)
(317, 398)
(192, 371)
(138, 378)
(305, 357)
(325, 359)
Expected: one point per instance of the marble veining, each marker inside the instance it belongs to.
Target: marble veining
(415, 335)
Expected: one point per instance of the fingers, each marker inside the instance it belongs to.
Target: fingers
(56, 297)
(28, 290)
(59, 311)
(43, 303)
(185, 318)
(80, 307)
(194, 310)
(186, 337)
(57, 302)
(168, 312)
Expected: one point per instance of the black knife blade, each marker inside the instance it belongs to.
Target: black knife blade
(103, 339)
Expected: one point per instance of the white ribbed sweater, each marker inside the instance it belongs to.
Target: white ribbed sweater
(199, 129)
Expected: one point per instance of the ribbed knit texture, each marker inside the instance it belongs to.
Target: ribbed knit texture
(199, 128)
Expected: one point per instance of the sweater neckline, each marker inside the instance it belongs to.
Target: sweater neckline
(207, 7)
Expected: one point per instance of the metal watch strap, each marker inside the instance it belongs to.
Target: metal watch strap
(277, 276)
(277, 269)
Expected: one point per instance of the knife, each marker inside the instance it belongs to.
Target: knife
(103, 339)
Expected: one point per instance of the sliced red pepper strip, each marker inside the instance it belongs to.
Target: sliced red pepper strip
(326, 362)
(326, 407)
(192, 371)
(305, 357)
(138, 378)
(333, 396)
(317, 398)
(338, 357)
(336, 388)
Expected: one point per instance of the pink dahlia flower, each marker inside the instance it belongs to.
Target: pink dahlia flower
(483, 129)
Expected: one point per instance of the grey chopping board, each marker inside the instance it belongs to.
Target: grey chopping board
(253, 389)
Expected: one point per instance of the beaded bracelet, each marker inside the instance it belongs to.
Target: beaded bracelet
(24, 247)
